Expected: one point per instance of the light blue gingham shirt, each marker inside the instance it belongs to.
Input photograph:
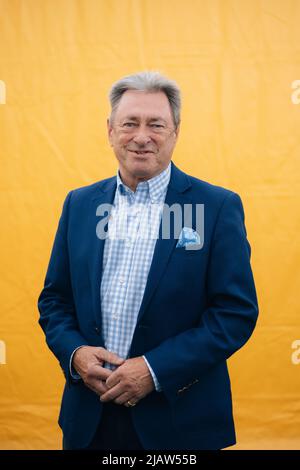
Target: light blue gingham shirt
(128, 251)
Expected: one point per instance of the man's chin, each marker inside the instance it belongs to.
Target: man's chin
(142, 169)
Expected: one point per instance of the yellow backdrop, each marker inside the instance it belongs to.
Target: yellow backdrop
(236, 62)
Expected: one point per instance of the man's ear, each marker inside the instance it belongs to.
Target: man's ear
(109, 130)
(177, 131)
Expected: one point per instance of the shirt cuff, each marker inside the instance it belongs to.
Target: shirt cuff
(73, 372)
(156, 383)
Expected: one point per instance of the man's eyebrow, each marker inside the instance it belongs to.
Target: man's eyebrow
(157, 118)
(130, 118)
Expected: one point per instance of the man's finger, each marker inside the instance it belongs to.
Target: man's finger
(113, 379)
(100, 372)
(108, 356)
(98, 386)
(113, 393)
(124, 398)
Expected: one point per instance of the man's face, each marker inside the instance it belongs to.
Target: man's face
(142, 134)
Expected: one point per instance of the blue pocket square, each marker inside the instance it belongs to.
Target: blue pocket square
(187, 238)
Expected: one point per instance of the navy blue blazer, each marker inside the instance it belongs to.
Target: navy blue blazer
(199, 307)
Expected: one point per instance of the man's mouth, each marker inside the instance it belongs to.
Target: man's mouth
(141, 152)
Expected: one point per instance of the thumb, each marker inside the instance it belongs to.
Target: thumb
(111, 357)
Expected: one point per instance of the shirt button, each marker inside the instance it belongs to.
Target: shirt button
(121, 280)
(115, 317)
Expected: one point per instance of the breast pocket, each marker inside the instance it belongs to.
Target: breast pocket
(183, 251)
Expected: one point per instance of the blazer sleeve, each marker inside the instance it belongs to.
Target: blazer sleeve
(56, 304)
(231, 312)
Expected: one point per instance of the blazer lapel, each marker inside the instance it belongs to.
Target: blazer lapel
(179, 183)
(103, 200)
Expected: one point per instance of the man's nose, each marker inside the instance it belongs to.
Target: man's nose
(141, 135)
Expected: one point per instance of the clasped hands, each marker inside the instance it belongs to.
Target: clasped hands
(129, 382)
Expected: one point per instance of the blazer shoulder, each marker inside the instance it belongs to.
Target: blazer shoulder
(91, 190)
(209, 191)
(217, 199)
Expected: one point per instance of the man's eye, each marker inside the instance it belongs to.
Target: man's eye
(129, 124)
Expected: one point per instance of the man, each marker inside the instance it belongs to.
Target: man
(142, 324)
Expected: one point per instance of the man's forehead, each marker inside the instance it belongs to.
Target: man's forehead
(136, 103)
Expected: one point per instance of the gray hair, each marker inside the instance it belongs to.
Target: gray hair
(150, 82)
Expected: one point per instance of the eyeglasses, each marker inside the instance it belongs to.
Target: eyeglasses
(130, 127)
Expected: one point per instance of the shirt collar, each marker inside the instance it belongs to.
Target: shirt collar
(157, 186)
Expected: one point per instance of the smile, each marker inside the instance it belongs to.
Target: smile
(140, 152)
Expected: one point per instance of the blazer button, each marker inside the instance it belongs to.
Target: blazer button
(97, 330)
